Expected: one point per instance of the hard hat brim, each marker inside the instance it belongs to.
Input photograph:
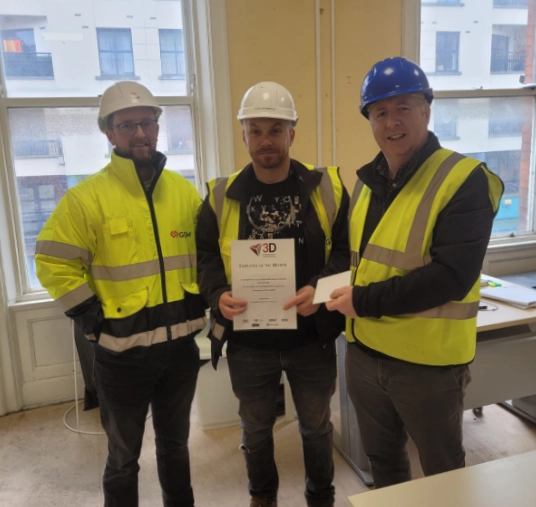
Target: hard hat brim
(266, 114)
(428, 95)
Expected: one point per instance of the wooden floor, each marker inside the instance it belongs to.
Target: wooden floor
(42, 464)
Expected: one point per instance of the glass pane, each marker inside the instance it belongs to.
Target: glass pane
(83, 47)
(497, 131)
(485, 44)
(56, 148)
(176, 140)
(46, 192)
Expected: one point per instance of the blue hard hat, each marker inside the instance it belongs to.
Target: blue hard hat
(390, 77)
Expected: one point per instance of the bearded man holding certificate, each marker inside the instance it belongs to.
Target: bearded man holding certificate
(291, 220)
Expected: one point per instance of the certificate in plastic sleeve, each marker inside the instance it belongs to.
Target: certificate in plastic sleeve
(264, 274)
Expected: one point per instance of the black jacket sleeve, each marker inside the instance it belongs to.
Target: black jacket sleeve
(460, 239)
(339, 259)
(210, 270)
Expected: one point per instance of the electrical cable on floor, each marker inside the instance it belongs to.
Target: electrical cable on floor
(81, 431)
(76, 402)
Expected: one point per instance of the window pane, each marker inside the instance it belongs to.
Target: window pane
(115, 52)
(82, 47)
(176, 140)
(497, 131)
(478, 44)
(59, 147)
(172, 53)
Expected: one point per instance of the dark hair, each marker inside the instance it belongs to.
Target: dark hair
(110, 121)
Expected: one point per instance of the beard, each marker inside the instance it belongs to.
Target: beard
(141, 156)
(269, 159)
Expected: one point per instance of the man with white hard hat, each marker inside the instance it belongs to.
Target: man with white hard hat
(276, 197)
(119, 253)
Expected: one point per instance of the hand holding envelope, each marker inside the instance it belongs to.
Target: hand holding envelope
(336, 292)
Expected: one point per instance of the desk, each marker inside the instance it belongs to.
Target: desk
(507, 481)
(503, 369)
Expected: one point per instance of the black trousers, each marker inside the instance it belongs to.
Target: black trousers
(164, 377)
(393, 399)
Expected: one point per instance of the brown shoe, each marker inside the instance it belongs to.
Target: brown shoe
(262, 502)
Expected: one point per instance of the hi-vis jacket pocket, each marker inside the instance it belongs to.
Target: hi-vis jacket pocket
(117, 242)
(120, 307)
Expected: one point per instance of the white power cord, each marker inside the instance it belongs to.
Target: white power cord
(76, 402)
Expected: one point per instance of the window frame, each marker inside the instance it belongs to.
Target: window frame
(179, 54)
(205, 48)
(514, 253)
(115, 52)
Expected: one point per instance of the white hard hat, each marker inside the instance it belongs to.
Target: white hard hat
(122, 95)
(268, 100)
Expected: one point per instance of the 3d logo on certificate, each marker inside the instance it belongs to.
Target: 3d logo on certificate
(264, 274)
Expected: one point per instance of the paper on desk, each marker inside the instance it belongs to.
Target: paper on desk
(327, 285)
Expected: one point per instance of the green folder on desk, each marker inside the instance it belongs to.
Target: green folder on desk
(514, 295)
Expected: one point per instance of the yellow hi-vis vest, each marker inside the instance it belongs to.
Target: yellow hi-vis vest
(326, 199)
(441, 336)
(101, 240)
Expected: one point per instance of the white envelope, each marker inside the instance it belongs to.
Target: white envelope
(327, 285)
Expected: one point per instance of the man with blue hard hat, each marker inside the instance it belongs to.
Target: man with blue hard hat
(420, 222)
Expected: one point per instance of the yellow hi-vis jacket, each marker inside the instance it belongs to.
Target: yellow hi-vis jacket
(326, 200)
(135, 252)
(441, 336)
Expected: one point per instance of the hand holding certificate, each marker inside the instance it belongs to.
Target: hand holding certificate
(264, 275)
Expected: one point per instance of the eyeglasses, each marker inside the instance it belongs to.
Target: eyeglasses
(128, 128)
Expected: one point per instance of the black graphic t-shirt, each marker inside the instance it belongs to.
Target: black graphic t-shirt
(274, 211)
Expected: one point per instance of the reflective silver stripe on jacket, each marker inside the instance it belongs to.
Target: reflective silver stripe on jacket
(412, 258)
(149, 338)
(75, 297)
(218, 191)
(452, 311)
(141, 269)
(217, 331)
(355, 196)
(354, 258)
(327, 195)
(63, 251)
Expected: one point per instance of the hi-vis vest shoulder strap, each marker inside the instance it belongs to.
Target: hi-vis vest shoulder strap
(400, 244)
(326, 199)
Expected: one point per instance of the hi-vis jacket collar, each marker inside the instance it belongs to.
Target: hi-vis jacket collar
(125, 170)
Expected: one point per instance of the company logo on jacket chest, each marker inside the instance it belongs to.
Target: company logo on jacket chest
(183, 234)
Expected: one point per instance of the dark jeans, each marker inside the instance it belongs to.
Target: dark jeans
(393, 399)
(163, 376)
(311, 372)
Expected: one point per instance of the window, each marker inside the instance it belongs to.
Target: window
(507, 117)
(508, 48)
(49, 126)
(486, 113)
(445, 120)
(115, 52)
(447, 51)
(38, 196)
(172, 53)
(20, 56)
